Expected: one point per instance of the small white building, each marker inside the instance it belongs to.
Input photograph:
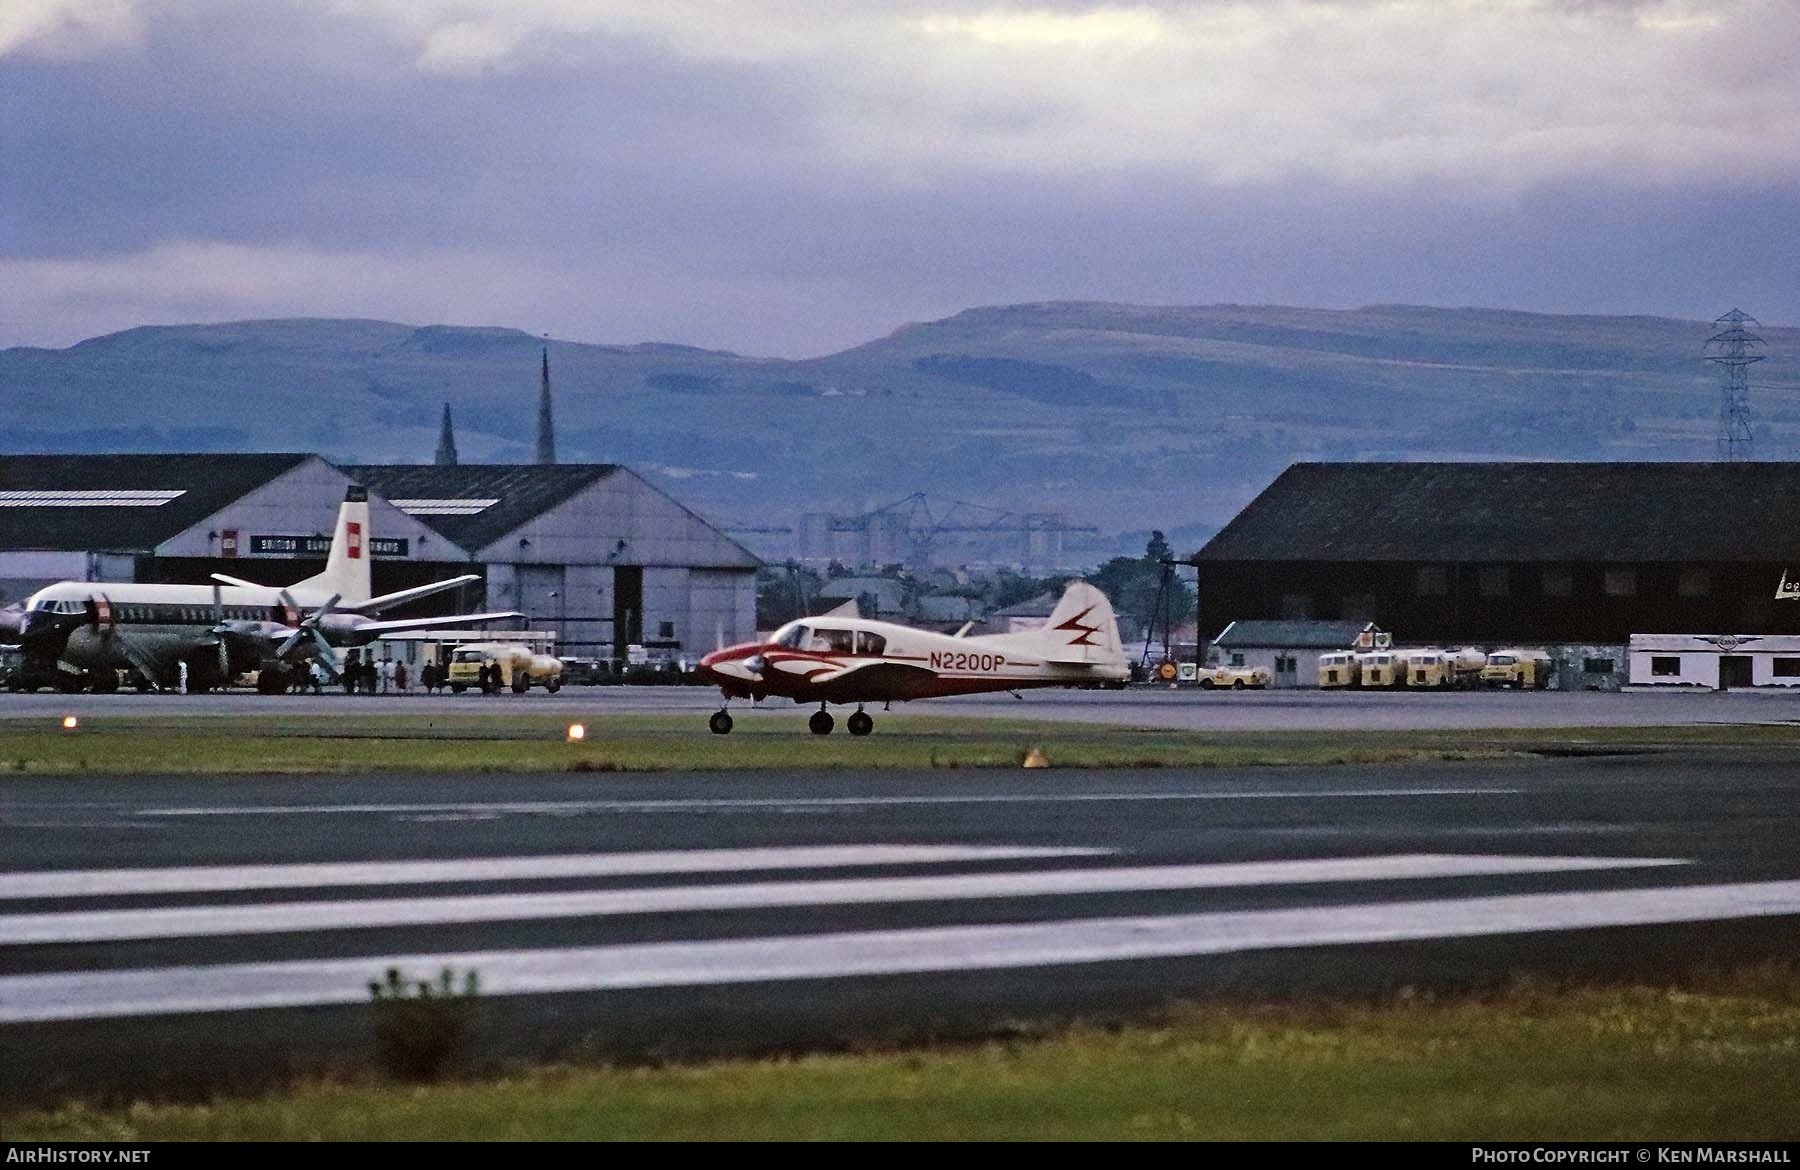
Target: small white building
(1288, 650)
(1716, 662)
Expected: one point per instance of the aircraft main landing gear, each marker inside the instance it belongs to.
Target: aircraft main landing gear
(821, 722)
(859, 723)
(720, 723)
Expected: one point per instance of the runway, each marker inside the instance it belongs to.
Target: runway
(1144, 706)
(180, 933)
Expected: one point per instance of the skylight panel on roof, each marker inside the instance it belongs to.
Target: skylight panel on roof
(443, 507)
(100, 498)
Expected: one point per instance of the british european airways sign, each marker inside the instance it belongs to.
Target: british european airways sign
(318, 546)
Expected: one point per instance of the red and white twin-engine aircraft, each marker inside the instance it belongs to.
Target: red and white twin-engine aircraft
(855, 660)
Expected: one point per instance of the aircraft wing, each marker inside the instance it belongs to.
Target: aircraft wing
(432, 623)
(389, 600)
(875, 681)
(223, 579)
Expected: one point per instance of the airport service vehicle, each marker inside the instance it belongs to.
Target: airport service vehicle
(584, 671)
(842, 659)
(1525, 669)
(90, 630)
(1339, 669)
(1429, 667)
(1380, 668)
(1466, 666)
(519, 667)
(1236, 677)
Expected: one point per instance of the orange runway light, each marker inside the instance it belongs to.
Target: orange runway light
(577, 732)
(70, 723)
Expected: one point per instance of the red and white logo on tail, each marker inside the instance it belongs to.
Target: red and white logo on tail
(1084, 634)
(346, 568)
(1083, 628)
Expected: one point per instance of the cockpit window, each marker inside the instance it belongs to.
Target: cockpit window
(833, 641)
(792, 636)
(870, 645)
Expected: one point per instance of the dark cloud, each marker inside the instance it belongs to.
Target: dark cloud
(791, 190)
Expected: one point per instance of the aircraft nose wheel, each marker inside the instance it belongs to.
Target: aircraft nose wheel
(720, 723)
(821, 723)
(860, 724)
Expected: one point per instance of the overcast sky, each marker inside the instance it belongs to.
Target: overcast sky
(793, 178)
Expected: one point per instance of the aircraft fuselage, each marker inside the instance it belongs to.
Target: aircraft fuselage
(857, 660)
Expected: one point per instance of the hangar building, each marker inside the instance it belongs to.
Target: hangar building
(1527, 553)
(589, 550)
(592, 551)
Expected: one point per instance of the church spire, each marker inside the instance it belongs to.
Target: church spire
(446, 452)
(546, 429)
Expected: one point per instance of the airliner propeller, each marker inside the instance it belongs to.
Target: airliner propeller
(101, 607)
(219, 630)
(309, 626)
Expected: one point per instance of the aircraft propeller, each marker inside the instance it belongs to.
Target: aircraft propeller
(219, 631)
(309, 626)
(135, 654)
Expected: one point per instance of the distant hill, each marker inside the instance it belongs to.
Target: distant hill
(1126, 417)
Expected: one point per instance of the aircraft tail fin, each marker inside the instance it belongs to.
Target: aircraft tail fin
(347, 567)
(1082, 628)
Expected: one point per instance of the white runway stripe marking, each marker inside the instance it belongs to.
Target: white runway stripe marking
(196, 879)
(286, 917)
(746, 802)
(65, 996)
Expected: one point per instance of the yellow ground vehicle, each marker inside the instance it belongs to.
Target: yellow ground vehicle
(1426, 667)
(1466, 666)
(518, 667)
(1525, 669)
(1381, 668)
(1339, 669)
(1235, 677)
(1429, 667)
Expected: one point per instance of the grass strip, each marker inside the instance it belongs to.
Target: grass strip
(241, 744)
(1716, 1058)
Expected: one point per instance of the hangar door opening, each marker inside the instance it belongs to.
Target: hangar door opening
(543, 598)
(628, 608)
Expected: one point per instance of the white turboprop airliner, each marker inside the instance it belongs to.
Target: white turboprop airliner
(95, 628)
(856, 660)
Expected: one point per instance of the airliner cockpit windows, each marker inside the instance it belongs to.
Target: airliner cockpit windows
(792, 636)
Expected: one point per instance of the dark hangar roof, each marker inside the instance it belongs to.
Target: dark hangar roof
(123, 503)
(475, 504)
(1520, 512)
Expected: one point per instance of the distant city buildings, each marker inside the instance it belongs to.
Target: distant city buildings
(921, 533)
